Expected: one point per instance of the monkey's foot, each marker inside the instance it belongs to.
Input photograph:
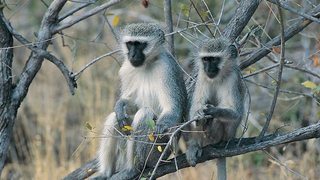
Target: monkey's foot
(193, 153)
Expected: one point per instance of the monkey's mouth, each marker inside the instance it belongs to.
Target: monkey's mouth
(212, 75)
(136, 62)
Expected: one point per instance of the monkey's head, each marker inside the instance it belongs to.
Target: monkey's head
(214, 54)
(140, 41)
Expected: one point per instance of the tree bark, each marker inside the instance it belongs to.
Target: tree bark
(7, 113)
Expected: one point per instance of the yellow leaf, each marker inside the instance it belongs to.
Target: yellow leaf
(127, 128)
(151, 137)
(88, 126)
(116, 20)
(309, 84)
(159, 148)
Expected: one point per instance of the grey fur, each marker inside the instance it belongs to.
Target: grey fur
(154, 91)
(222, 97)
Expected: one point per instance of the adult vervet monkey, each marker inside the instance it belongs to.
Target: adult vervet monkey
(152, 88)
(218, 91)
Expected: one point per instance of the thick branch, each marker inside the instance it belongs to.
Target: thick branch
(34, 62)
(6, 115)
(289, 33)
(87, 14)
(217, 151)
(243, 14)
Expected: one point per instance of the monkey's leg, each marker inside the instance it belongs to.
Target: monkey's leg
(194, 150)
(137, 147)
(108, 147)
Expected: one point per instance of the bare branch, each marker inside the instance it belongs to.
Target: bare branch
(94, 61)
(302, 70)
(199, 14)
(84, 172)
(285, 6)
(76, 9)
(34, 63)
(210, 152)
(87, 14)
(281, 64)
(289, 33)
(44, 54)
(240, 19)
(169, 23)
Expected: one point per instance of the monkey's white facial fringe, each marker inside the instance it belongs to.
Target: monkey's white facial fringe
(212, 54)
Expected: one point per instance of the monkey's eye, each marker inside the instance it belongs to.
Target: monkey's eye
(206, 59)
(130, 43)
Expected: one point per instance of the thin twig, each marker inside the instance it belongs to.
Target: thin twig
(282, 62)
(295, 11)
(289, 33)
(76, 9)
(199, 14)
(261, 70)
(75, 75)
(85, 15)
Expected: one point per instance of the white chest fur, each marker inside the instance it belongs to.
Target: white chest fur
(141, 85)
(207, 90)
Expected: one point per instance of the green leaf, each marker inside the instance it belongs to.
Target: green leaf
(151, 124)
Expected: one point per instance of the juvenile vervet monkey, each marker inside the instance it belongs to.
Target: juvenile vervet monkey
(152, 88)
(218, 91)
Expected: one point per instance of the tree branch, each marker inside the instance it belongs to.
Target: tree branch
(76, 9)
(241, 17)
(44, 54)
(87, 14)
(169, 23)
(217, 151)
(289, 33)
(285, 6)
(34, 62)
(279, 78)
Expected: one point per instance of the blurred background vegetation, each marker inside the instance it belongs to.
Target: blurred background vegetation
(55, 132)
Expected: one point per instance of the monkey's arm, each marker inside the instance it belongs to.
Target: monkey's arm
(122, 108)
(167, 120)
(224, 113)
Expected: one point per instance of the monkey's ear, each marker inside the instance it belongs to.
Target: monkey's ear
(233, 51)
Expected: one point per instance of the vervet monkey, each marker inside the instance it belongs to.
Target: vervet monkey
(218, 91)
(152, 88)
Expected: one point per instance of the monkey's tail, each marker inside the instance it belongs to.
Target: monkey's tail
(222, 168)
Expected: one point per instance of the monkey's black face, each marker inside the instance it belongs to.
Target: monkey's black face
(135, 52)
(211, 66)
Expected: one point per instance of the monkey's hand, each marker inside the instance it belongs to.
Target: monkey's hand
(161, 127)
(122, 119)
(193, 153)
(121, 115)
(199, 115)
(209, 109)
